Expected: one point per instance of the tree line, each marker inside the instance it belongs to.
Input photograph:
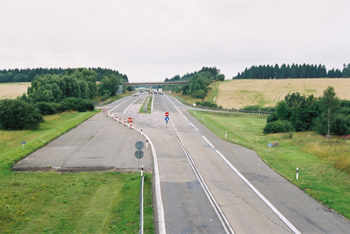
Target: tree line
(55, 93)
(325, 115)
(27, 75)
(198, 82)
(293, 71)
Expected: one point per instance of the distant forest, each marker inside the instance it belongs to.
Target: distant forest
(27, 75)
(294, 71)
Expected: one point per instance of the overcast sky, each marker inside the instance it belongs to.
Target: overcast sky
(153, 40)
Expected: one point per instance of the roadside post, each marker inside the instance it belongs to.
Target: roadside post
(225, 134)
(202, 117)
(138, 153)
(147, 144)
(141, 170)
(141, 131)
(166, 117)
(297, 175)
(269, 144)
(23, 143)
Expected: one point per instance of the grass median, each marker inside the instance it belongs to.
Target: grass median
(318, 176)
(66, 203)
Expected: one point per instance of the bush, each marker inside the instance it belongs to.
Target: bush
(208, 104)
(272, 117)
(48, 108)
(251, 108)
(278, 126)
(17, 115)
(199, 94)
(342, 125)
(77, 104)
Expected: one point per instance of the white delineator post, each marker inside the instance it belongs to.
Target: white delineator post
(225, 134)
(297, 175)
(141, 131)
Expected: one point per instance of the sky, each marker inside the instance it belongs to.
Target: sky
(153, 40)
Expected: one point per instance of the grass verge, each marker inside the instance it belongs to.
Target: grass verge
(318, 176)
(213, 92)
(66, 203)
(149, 105)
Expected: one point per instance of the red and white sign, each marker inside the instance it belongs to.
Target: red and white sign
(129, 120)
(166, 114)
(131, 126)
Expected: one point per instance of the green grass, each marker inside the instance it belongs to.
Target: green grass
(66, 203)
(148, 111)
(319, 177)
(213, 92)
(186, 99)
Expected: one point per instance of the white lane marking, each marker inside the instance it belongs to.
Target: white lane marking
(207, 192)
(267, 202)
(208, 141)
(119, 104)
(132, 103)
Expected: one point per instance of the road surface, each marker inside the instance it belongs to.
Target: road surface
(207, 185)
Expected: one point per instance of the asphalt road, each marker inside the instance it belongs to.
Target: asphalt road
(207, 185)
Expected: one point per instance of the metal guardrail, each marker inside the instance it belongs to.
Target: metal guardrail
(141, 206)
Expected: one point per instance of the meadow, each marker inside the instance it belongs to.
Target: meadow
(266, 93)
(12, 90)
(324, 169)
(51, 202)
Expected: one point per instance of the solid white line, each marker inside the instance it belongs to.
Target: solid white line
(267, 202)
(207, 192)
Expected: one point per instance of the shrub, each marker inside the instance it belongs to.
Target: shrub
(342, 125)
(199, 94)
(278, 126)
(77, 104)
(17, 115)
(251, 108)
(208, 104)
(272, 117)
(48, 108)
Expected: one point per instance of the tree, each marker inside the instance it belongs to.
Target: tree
(220, 77)
(330, 105)
(16, 114)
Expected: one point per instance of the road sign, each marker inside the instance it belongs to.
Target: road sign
(166, 114)
(139, 145)
(269, 144)
(129, 120)
(167, 118)
(138, 154)
(23, 142)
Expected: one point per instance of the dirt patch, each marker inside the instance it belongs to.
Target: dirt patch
(240, 93)
(12, 90)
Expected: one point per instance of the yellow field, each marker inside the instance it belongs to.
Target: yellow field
(12, 90)
(241, 93)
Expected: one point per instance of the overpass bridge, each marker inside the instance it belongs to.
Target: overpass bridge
(156, 83)
(120, 90)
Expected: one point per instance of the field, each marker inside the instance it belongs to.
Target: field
(241, 93)
(324, 165)
(12, 90)
(51, 202)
